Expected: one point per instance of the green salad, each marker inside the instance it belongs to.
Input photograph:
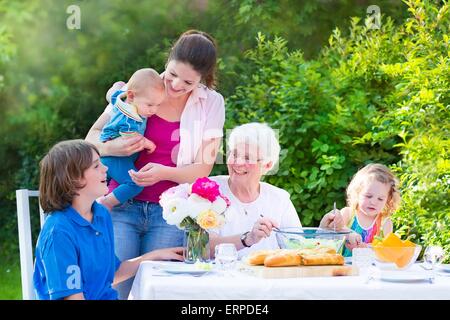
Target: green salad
(304, 243)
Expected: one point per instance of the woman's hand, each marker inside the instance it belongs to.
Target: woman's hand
(261, 229)
(175, 253)
(149, 174)
(332, 221)
(125, 146)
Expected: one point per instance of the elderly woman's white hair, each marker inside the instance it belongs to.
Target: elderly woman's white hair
(258, 135)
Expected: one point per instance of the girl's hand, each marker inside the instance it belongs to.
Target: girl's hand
(261, 229)
(332, 221)
(354, 240)
(149, 174)
(125, 146)
(165, 254)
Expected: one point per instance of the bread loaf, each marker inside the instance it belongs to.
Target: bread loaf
(257, 258)
(286, 257)
(322, 259)
(317, 251)
(283, 259)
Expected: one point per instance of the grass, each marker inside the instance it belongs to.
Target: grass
(10, 285)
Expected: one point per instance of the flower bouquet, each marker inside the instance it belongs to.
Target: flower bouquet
(195, 208)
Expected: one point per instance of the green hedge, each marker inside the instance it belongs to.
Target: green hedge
(376, 95)
(345, 107)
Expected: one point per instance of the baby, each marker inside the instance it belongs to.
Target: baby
(144, 92)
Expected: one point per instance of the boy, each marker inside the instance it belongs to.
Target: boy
(75, 256)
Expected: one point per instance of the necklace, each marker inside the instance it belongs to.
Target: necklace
(244, 209)
(240, 206)
(247, 208)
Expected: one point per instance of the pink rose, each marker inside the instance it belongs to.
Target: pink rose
(206, 188)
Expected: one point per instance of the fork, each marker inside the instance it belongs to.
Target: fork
(334, 213)
(273, 228)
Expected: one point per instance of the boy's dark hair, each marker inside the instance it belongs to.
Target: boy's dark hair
(198, 49)
(61, 171)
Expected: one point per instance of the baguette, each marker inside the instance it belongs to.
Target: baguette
(257, 258)
(283, 259)
(316, 251)
(322, 259)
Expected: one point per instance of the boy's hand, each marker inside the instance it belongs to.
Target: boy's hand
(175, 253)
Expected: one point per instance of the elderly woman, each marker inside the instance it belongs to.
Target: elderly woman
(256, 207)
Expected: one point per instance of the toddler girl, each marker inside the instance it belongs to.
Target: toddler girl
(372, 197)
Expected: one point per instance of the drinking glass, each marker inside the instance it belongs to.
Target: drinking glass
(226, 257)
(363, 259)
(433, 256)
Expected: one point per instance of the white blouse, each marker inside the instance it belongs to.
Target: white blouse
(272, 202)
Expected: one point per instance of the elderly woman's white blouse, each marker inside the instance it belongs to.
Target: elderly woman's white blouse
(272, 202)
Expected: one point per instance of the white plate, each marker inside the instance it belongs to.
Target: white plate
(402, 276)
(183, 269)
(386, 266)
(443, 268)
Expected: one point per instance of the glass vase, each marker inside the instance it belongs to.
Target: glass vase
(196, 245)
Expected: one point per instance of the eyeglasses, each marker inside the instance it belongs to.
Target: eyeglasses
(243, 159)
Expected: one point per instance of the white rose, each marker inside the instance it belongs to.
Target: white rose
(219, 205)
(197, 205)
(180, 191)
(175, 211)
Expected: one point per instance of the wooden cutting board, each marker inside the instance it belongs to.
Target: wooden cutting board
(301, 271)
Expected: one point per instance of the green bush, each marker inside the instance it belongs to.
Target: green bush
(318, 113)
(359, 101)
(410, 64)
(419, 113)
(53, 80)
(372, 96)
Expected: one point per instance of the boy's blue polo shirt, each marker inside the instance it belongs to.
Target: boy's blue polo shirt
(74, 255)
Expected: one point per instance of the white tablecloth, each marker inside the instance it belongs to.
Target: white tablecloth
(153, 284)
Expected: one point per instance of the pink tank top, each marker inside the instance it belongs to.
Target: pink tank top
(166, 136)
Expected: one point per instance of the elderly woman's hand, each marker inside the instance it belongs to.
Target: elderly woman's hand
(261, 229)
(149, 174)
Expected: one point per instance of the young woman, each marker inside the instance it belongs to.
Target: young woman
(187, 131)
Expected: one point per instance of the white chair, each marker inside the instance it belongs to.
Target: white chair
(25, 240)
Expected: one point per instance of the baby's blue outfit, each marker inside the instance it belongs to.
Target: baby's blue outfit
(118, 167)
